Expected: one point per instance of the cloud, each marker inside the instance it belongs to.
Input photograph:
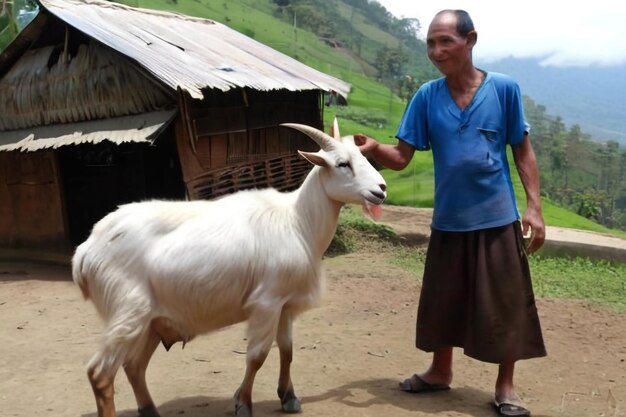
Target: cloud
(560, 33)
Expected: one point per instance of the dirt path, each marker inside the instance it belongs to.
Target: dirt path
(348, 354)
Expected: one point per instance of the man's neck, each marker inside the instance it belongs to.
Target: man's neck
(465, 82)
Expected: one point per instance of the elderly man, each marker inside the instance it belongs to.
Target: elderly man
(477, 292)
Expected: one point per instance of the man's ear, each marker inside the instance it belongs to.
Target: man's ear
(472, 38)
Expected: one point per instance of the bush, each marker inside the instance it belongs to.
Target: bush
(367, 117)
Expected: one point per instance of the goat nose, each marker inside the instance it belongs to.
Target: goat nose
(383, 187)
(379, 195)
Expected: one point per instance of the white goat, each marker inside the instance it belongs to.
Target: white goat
(168, 271)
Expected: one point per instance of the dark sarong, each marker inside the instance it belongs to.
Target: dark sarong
(477, 295)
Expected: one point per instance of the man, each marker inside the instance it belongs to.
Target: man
(476, 292)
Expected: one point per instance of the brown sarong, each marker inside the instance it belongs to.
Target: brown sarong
(477, 295)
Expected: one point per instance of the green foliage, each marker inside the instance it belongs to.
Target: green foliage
(248, 32)
(582, 175)
(14, 15)
(8, 27)
(367, 117)
(601, 282)
(390, 62)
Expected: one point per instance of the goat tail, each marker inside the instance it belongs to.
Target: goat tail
(77, 271)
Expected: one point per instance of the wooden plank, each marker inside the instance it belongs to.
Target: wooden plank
(219, 150)
(203, 152)
(217, 121)
(6, 202)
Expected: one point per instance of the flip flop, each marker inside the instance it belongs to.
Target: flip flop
(512, 408)
(415, 385)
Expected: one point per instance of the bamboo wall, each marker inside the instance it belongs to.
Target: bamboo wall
(31, 213)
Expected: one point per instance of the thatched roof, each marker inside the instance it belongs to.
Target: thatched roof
(190, 53)
(97, 83)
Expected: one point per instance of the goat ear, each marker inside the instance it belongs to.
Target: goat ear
(314, 158)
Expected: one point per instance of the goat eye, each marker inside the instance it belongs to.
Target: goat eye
(343, 165)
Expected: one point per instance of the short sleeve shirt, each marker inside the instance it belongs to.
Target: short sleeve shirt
(473, 188)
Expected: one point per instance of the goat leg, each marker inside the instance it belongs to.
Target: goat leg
(136, 373)
(288, 400)
(243, 396)
(262, 330)
(102, 386)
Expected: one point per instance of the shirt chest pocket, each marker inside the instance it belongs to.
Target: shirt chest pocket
(492, 135)
(488, 149)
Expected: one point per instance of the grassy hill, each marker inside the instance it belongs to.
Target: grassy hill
(369, 99)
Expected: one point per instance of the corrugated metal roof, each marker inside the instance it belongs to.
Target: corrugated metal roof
(188, 52)
(138, 128)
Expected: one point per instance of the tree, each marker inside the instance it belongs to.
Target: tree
(559, 162)
(14, 15)
(389, 63)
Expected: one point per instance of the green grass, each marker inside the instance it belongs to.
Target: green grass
(597, 281)
(354, 231)
(600, 282)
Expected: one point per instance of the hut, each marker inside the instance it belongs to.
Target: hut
(103, 104)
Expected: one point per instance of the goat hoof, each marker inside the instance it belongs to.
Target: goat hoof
(242, 410)
(149, 411)
(290, 403)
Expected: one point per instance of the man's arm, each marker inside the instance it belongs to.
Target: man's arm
(526, 164)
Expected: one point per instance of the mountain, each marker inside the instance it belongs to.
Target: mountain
(592, 97)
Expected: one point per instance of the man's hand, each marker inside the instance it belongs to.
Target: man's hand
(366, 144)
(532, 222)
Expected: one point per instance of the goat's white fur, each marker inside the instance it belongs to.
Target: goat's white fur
(172, 270)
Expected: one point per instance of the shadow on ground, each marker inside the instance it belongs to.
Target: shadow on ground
(357, 395)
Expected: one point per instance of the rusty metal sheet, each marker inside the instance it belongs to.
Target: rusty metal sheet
(188, 52)
(138, 128)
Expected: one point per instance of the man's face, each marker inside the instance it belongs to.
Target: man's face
(447, 50)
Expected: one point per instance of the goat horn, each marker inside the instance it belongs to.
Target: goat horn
(336, 133)
(325, 141)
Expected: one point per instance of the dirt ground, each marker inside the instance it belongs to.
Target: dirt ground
(349, 353)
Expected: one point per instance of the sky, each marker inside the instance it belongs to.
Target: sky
(559, 33)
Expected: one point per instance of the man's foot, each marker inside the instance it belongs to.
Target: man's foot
(511, 407)
(416, 384)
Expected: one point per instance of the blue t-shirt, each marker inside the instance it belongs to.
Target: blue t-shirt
(473, 188)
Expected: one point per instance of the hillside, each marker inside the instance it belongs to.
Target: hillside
(384, 61)
(592, 97)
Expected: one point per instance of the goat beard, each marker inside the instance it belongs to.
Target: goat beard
(373, 211)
